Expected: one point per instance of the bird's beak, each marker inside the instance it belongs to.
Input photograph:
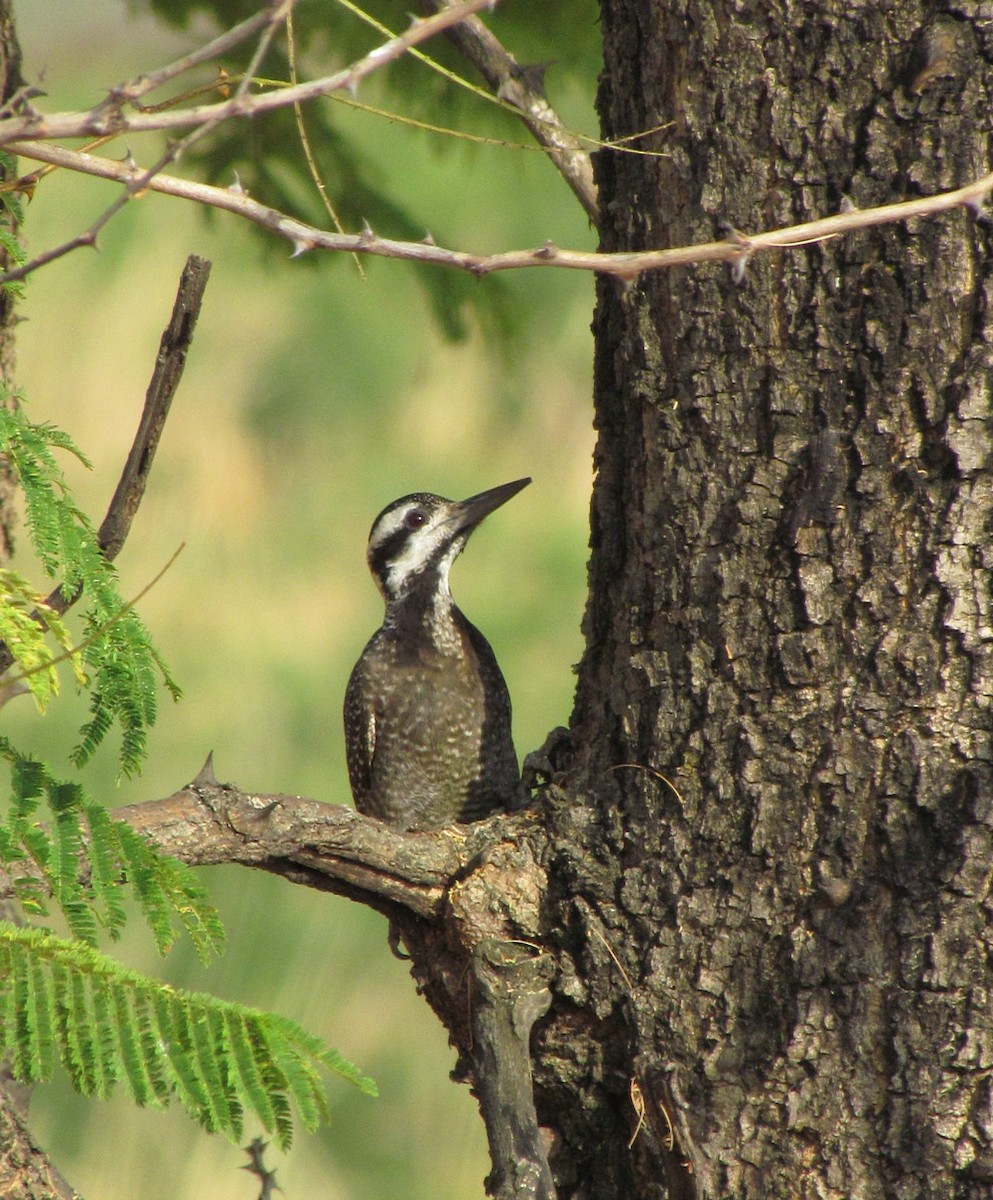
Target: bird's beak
(468, 513)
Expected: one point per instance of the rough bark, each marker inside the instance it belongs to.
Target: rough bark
(784, 707)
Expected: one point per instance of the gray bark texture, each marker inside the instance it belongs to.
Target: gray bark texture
(783, 717)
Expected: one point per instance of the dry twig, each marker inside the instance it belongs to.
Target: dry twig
(168, 371)
(28, 133)
(522, 87)
(109, 117)
(736, 249)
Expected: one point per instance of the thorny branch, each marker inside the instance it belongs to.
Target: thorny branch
(28, 134)
(468, 902)
(109, 118)
(166, 375)
(522, 86)
(736, 249)
(325, 846)
(135, 185)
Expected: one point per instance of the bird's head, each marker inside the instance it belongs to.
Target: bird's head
(416, 539)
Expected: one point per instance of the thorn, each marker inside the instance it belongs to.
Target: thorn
(740, 260)
(732, 234)
(301, 246)
(20, 102)
(237, 186)
(428, 239)
(367, 235)
(351, 85)
(548, 250)
(223, 90)
(255, 1150)
(738, 266)
(847, 205)
(532, 75)
(206, 776)
(977, 206)
(128, 160)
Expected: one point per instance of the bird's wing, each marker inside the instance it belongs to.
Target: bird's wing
(360, 735)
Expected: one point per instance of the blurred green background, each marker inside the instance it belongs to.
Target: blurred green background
(312, 397)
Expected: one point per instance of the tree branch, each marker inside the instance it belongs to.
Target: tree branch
(169, 364)
(26, 1171)
(511, 992)
(326, 846)
(168, 371)
(469, 902)
(736, 249)
(27, 133)
(108, 118)
(522, 87)
(471, 910)
(135, 89)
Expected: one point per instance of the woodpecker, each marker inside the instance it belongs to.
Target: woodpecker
(427, 711)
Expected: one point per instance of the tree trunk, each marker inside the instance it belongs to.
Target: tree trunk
(779, 892)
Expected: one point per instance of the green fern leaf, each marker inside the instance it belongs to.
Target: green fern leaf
(25, 619)
(308, 1045)
(67, 846)
(125, 667)
(83, 833)
(41, 1003)
(147, 887)
(22, 1032)
(76, 1028)
(149, 1045)
(134, 1057)
(187, 899)
(107, 1061)
(283, 1128)
(105, 870)
(174, 1025)
(245, 1057)
(164, 886)
(209, 1047)
(63, 999)
(302, 1083)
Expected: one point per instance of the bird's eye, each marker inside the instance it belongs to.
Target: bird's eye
(415, 519)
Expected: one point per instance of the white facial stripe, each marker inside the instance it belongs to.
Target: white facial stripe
(387, 526)
(419, 551)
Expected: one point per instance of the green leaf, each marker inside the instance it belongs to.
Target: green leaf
(84, 842)
(125, 670)
(63, 1000)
